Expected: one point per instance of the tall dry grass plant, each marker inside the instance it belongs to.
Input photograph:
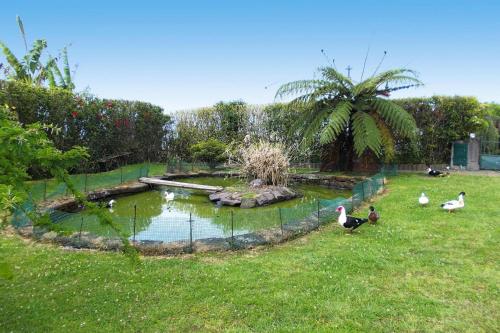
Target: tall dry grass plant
(266, 161)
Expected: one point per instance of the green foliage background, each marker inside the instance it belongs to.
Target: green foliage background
(440, 120)
(211, 151)
(106, 127)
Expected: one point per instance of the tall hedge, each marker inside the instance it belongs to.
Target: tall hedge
(441, 120)
(230, 122)
(106, 127)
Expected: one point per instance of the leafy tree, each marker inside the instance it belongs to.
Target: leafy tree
(352, 118)
(441, 120)
(211, 151)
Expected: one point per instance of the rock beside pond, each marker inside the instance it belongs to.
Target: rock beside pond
(255, 197)
(248, 203)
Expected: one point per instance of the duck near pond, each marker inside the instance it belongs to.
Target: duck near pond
(169, 196)
(423, 200)
(349, 222)
(373, 215)
(436, 173)
(451, 205)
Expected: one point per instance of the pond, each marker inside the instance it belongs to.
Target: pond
(192, 214)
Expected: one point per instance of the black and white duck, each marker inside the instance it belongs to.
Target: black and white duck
(452, 205)
(349, 222)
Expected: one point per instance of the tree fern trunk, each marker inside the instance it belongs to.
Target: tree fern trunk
(339, 156)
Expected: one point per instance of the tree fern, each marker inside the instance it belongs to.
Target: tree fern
(336, 105)
(366, 134)
(338, 120)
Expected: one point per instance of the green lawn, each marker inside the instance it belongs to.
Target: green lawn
(418, 270)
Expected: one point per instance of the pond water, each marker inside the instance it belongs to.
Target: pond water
(192, 214)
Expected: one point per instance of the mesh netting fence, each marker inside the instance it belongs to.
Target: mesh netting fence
(230, 227)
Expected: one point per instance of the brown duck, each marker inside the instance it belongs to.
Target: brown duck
(373, 216)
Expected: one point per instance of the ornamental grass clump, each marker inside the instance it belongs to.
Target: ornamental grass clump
(266, 161)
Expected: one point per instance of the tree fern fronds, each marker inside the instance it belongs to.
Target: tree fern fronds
(366, 134)
(387, 138)
(332, 74)
(337, 122)
(299, 87)
(397, 117)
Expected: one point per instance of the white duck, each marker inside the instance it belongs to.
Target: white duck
(454, 204)
(423, 200)
(110, 203)
(169, 196)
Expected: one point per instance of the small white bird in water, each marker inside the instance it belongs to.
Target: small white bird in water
(169, 196)
(110, 203)
(423, 200)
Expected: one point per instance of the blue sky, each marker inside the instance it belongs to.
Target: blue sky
(188, 54)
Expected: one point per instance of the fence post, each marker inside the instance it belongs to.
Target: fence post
(135, 219)
(190, 233)
(281, 223)
(318, 211)
(363, 188)
(85, 186)
(45, 190)
(232, 228)
(81, 227)
(121, 175)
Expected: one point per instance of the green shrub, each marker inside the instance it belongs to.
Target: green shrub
(105, 127)
(211, 151)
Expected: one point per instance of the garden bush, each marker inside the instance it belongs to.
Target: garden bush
(211, 152)
(106, 127)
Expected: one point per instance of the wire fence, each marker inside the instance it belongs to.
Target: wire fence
(188, 230)
(50, 189)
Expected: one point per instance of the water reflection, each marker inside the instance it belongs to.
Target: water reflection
(159, 219)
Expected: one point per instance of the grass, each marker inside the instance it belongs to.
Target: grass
(418, 270)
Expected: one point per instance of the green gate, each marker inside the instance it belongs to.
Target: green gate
(460, 154)
(489, 159)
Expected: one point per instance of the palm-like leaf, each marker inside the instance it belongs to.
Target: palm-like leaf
(32, 58)
(366, 134)
(336, 105)
(395, 116)
(299, 87)
(16, 65)
(337, 122)
(67, 71)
